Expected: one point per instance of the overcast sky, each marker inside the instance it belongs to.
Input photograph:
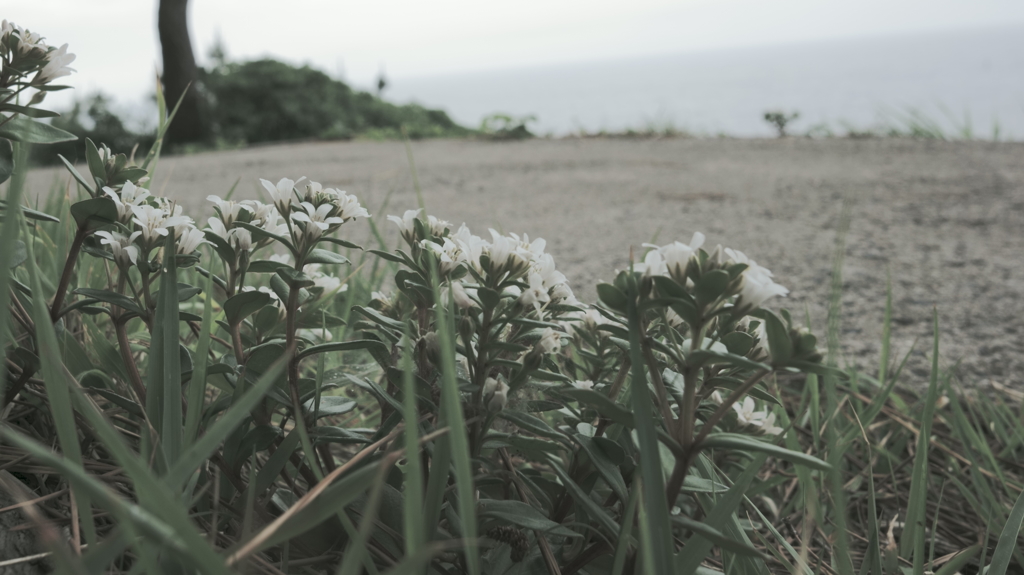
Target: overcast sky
(118, 50)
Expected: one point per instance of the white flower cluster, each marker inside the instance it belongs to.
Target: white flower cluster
(758, 285)
(252, 212)
(509, 257)
(22, 51)
(312, 211)
(150, 219)
(673, 259)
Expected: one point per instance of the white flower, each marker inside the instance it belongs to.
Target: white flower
(508, 254)
(320, 279)
(240, 238)
(757, 286)
(228, 210)
(745, 411)
(282, 194)
(154, 221)
(671, 259)
(536, 295)
(583, 384)
(587, 320)
(461, 296)
(56, 66)
(125, 253)
(28, 41)
(437, 226)
(449, 256)
(406, 224)
(472, 246)
(125, 200)
(380, 297)
(316, 219)
(190, 240)
(768, 426)
(495, 394)
(217, 227)
(550, 341)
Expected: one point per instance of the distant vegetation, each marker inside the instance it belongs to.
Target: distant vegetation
(263, 101)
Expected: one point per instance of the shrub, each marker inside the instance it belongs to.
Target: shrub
(266, 101)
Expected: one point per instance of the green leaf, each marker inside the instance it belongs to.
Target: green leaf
(717, 537)
(701, 357)
(120, 300)
(612, 297)
(32, 132)
(6, 160)
(265, 266)
(163, 385)
(95, 163)
(194, 455)
(523, 515)
(89, 187)
(376, 348)
(533, 424)
(242, 305)
(606, 407)
(745, 443)
(608, 470)
(779, 344)
(711, 286)
(340, 242)
(319, 256)
(294, 278)
(196, 393)
(331, 405)
(259, 233)
(28, 111)
(94, 212)
(388, 256)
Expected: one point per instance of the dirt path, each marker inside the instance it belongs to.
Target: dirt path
(946, 218)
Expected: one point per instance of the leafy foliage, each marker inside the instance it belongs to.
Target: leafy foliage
(267, 101)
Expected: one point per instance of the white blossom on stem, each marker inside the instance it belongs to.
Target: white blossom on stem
(550, 341)
(122, 247)
(407, 224)
(282, 194)
(153, 222)
(125, 200)
(228, 210)
(190, 240)
(56, 66)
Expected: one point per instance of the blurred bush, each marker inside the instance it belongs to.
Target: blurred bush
(268, 101)
(262, 101)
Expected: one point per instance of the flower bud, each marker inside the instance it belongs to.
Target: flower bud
(495, 394)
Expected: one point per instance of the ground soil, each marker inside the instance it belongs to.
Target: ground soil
(945, 220)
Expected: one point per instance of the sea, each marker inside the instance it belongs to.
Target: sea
(965, 83)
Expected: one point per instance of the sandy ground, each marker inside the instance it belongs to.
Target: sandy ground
(946, 219)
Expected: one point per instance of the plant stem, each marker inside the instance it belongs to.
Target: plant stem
(65, 277)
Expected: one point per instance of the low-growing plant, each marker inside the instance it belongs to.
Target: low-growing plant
(779, 120)
(232, 399)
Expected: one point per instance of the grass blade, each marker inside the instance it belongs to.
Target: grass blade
(413, 501)
(57, 387)
(655, 504)
(197, 384)
(163, 397)
(912, 540)
(1008, 539)
(8, 237)
(451, 414)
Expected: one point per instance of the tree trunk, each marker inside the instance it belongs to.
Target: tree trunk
(180, 73)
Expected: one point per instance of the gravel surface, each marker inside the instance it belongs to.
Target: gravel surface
(945, 219)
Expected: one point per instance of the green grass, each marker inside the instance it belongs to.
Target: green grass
(232, 463)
